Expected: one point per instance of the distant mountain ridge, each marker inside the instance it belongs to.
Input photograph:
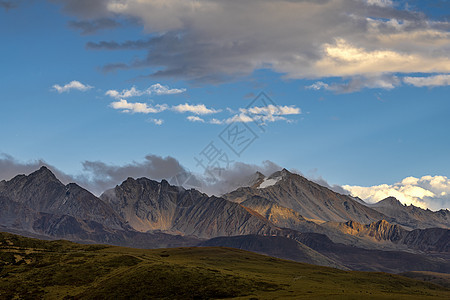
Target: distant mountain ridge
(39, 204)
(412, 216)
(282, 208)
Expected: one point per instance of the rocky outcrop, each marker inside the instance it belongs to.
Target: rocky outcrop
(281, 216)
(379, 231)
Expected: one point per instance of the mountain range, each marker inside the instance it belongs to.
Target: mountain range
(283, 215)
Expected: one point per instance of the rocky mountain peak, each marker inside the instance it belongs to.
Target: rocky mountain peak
(256, 179)
(43, 173)
(390, 202)
(284, 173)
(259, 174)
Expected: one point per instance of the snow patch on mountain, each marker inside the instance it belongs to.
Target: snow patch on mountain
(269, 182)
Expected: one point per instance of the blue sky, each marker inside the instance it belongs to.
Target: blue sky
(360, 88)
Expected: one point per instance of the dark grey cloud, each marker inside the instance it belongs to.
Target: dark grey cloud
(91, 27)
(10, 167)
(237, 175)
(127, 45)
(100, 176)
(336, 188)
(215, 41)
(85, 9)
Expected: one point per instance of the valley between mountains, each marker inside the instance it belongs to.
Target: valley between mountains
(282, 215)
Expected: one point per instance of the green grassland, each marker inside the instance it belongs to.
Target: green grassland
(34, 269)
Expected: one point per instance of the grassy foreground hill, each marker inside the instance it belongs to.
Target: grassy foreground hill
(33, 269)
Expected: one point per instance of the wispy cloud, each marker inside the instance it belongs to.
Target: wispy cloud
(73, 85)
(155, 89)
(199, 109)
(357, 83)
(386, 82)
(430, 81)
(427, 192)
(138, 107)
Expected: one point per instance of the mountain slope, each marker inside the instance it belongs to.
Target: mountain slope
(279, 215)
(149, 205)
(307, 198)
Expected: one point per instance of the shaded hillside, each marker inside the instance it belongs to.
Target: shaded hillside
(430, 239)
(433, 277)
(275, 246)
(356, 258)
(37, 269)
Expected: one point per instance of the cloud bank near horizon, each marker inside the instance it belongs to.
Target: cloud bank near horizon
(431, 192)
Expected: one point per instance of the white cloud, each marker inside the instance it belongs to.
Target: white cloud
(158, 122)
(199, 109)
(242, 118)
(195, 119)
(159, 89)
(430, 81)
(382, 3)
(272, 110)
(318, 86)
(138, 107)
(73, 85)
(427, 192)
(155, 89)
